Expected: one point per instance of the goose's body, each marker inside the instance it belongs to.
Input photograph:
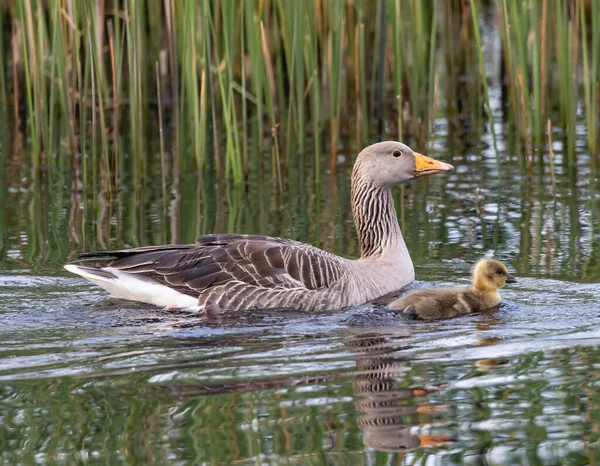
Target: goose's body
(444, 303)
(233, 272)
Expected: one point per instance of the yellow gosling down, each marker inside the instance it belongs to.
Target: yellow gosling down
(489, 276)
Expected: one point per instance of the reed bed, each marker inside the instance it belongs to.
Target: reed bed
(89, 85)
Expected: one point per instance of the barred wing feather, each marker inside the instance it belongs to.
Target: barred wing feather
(261, 261)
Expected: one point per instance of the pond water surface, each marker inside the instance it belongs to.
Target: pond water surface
(85, 379)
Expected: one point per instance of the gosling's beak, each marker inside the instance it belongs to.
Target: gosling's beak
(425, 166)
(510, 279)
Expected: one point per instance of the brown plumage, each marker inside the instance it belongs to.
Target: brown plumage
(489, 275)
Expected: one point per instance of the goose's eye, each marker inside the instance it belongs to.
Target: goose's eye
(499, 272)
(396, 153)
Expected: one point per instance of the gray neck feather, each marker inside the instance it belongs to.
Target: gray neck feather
(375, 218)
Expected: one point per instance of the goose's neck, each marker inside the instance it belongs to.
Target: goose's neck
(376, 221)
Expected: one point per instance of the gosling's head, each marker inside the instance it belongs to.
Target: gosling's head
(490, 275)
(392, 163)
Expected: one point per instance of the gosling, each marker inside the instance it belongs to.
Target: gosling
(489, 275)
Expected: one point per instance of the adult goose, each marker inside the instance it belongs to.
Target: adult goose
(234, 272)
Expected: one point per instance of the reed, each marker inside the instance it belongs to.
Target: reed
(591, 70)
(313, 86)
(3, 91)
(565, 47)
(482, 71)
(279, 75)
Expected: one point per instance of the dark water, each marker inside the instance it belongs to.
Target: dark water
(84, 379)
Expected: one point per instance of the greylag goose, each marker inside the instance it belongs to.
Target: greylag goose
(444, 303)
(234, 271)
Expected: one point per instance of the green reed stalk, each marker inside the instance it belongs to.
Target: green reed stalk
(565, 48)
(507, 56)
(95, 166)
(208, 48)
(594, 99)
(552, 157)
(397, 48)
(130, 40)
(374, 58)
(195, 114)
(56, 104)
(172, 44)
(101, 85)
(363, 88)
(287, 46)
(536, 26)
(281, 78)
(417, 70)
(518, 23)
(475, 15)
(452, 56)
(259, 79)
(313, 85)
(53, 71)
(334, 55)
(591, 79)
(163, 158)
(30, 68)
(561, 52)
(244, 142)
(115, 104)
(298, 69)
(82, 80)
(226, 92)
(39, 34)
(225, 77)
(272, 100)
(61, 82)
(3, 91)
(134, 12)
(432, 74)
(467, 60)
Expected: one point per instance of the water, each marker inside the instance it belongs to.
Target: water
(84, 379)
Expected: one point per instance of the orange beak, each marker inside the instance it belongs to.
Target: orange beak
(425, 166)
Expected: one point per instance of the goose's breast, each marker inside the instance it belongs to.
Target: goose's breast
(370, 280)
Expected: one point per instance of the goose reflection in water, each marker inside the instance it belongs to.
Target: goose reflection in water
(392, 413)
(398, 403)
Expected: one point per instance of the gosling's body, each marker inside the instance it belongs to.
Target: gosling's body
(445, 303)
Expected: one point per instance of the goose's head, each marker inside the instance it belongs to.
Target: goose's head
(490, 275)
(392, 163)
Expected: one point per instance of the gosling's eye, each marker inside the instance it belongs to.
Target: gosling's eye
(396, 153)
(500, 272)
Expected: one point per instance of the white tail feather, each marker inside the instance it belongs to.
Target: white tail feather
(137, 287)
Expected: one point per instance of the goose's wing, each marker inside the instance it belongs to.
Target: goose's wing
(217, 259)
